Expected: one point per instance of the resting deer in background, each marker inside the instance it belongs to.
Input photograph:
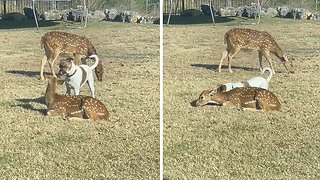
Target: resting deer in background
(73, 107)
(240, 38)
(56, 42)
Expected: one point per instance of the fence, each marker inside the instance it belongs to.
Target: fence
(41, 6)
(180, 5)
(7, 6)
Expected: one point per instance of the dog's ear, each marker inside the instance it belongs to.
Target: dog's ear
(221, 88)
(212, 92)
(245, 84)
(69, 59)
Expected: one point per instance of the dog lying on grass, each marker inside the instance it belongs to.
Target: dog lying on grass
(258, 81)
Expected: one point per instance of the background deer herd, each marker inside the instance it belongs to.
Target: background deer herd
(123, 141)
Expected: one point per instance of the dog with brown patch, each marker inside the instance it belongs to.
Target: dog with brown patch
(257, 81)
(77, 76)
(73, 107)
(243, 98)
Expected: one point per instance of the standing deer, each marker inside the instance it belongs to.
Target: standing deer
(263, 42)
(73, 107)
(56, 42)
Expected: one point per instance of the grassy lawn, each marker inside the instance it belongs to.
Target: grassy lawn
(34, 146)
(223, 143)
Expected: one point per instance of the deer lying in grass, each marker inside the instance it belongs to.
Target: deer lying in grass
(73, 107)
(56, 42)
(248, 98)
(240, 38)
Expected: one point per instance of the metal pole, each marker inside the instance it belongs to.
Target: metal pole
(86, 11)
(170, 12)
(4, 7)
(212, 15)
(259, 6)
(34, 14)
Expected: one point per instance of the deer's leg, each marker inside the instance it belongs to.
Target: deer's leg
(52, 113)
(43, 62)
(223, 56)
(57, 112)
(90, 114)
(228, 104)
(77, 119)
(263, 104)
(267, 56)
(251, 109)
(260, 60)
(51, 61)
(231, 53)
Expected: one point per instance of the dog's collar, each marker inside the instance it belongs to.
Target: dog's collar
(72, 73)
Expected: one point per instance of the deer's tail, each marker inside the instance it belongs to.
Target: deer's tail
(42, 41)
(226, 37)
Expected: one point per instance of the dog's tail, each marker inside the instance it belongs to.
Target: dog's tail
(270, 73)
(96, 61)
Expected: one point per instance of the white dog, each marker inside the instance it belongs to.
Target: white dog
(258, 81)
(76, 76)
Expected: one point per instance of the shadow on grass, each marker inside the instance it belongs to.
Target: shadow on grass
(28, 73)
(27, 104)
(9, 24)
(177, 19)
(214, 67)
(193, 104)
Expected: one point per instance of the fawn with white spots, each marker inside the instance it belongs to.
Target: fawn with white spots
(263, 42)
(248, 98)
(73, 107)
(56, 42)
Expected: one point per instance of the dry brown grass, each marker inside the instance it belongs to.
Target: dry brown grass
(224, 143)
(34, 146)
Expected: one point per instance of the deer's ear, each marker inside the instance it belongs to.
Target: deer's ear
(285, 57)
(48, 78)
(60, 81)
(211, 93)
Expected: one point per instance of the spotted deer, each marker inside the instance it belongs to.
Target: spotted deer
(56, 42)
(244, 98)
(73, 107)
(263, 42)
